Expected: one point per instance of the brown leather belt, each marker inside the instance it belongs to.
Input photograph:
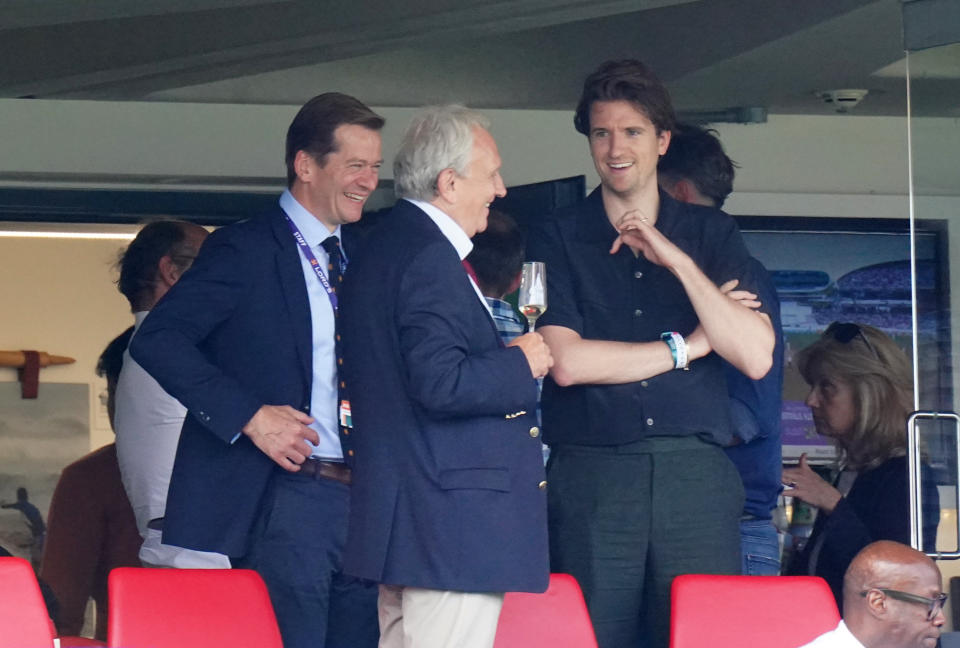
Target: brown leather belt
(319, 469)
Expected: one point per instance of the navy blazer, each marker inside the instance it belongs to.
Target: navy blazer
(232, 335)
(448, 484)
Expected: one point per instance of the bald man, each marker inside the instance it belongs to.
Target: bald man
(892, 598)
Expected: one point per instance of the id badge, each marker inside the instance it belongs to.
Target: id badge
(345, 419)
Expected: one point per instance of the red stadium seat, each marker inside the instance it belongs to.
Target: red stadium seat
(737, 611)
(190, 608)
(23, 615)
(555, 619)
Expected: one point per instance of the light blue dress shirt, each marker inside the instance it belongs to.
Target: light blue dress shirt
(323, 396)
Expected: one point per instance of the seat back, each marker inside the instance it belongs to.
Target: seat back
(557, 618)
(190, 608)
(24, 621)
(737, 611)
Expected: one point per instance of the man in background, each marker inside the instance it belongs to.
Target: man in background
(892, 598)
(91, 526)
(497, 265)
(497, 261)
(148, 419)
(696, 170)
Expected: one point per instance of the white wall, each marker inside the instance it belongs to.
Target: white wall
(832, 154)
(58, 296)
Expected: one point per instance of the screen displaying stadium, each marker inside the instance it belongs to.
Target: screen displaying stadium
(854, 270)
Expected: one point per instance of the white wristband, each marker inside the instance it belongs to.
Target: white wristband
(678, 349)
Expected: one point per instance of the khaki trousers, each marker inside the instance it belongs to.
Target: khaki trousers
(411, 617)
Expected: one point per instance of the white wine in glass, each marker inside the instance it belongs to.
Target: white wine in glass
(532, 299)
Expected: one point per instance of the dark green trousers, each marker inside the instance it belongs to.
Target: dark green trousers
(624, 520)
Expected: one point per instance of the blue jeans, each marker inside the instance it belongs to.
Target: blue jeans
(759, 548)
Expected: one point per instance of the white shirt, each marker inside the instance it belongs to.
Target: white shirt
(148, 422)
(323, 395)
(457, 237)
(839, 637)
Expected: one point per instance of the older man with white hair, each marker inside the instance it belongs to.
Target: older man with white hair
(448, 505)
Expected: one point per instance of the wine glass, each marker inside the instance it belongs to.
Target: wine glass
(532, 299)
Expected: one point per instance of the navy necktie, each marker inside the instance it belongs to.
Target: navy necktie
(335, 269)
(336, 265)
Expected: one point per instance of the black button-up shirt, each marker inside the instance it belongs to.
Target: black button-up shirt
(620, 297)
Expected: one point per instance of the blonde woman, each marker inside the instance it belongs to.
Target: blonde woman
(860, 396)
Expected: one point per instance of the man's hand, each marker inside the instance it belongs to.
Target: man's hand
(742, 297)
(637, 232)
(281, 433)
(536, 351)
(804, 483)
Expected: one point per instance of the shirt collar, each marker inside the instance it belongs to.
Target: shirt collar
(448, 227)
(138, 318)
(595, 225)
(842, 629)
(314, 232)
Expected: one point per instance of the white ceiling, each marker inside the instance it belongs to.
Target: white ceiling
(713, 54)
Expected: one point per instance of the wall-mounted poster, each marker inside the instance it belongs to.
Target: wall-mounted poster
(38, 438)
(855, 270)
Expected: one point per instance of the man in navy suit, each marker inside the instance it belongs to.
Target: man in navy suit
(448, 505)
(246, 342)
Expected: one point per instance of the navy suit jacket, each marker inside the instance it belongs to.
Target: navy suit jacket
(448, 483)
(232, 335)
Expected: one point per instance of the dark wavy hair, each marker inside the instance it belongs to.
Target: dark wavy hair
(138, 263)
(697, 155)
(111, 360)
(626, 80)
(497, 255)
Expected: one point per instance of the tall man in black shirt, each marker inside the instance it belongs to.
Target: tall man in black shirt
(643, 304)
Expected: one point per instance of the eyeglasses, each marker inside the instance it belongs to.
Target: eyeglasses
(844, 332)
(934, 605)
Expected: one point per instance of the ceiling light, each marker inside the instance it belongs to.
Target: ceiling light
(70, 235)
(81, 231)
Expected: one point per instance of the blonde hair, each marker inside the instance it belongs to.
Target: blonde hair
(881, 378)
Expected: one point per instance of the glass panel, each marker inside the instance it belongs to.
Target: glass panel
(935, 207)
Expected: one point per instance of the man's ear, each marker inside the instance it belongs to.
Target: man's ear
(683, 190)
(877, 604)
(515, 284)
(663, 141)
(303, 164)
(167, 271)
(447, 185)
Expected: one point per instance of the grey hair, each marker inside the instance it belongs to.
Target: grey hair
(438, 138)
